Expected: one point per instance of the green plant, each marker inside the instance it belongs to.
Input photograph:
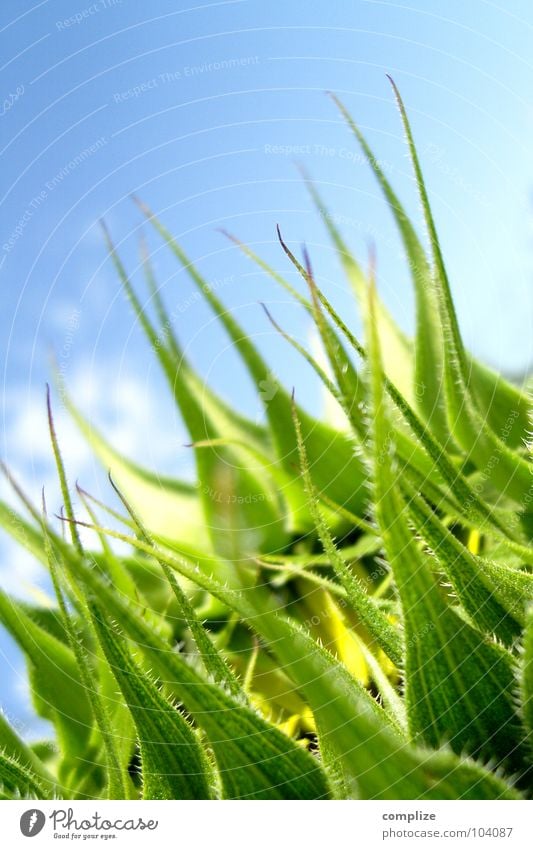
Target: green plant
(327, 613)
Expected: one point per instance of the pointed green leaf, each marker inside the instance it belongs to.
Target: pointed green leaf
(459, 685)
(465, 498)
(396, 347)
(117, 779)
(255, 759)
(241, 506)
(496, 395)
(14, 748)
(504, 467)
(214, 663)
(56, 686)
(162, 501)
(365, 607)
(174, 766)
(492, 595)
(378, 761)
(19, 779)
(526, 678)
(328, 449)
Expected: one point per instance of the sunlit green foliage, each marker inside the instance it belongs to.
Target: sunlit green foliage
(327, 612)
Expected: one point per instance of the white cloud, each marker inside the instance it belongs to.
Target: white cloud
(131, 414)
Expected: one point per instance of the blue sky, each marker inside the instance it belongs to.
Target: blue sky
(202, 110)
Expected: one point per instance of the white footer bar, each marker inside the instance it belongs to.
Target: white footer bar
(267, 825)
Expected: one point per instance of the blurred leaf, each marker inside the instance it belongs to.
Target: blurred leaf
(56, 686)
